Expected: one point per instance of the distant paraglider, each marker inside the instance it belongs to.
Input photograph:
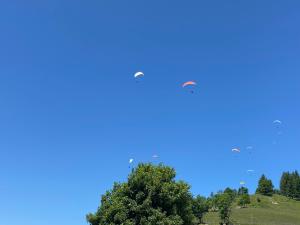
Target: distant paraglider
(190, 85)
(278, 122)
(155, 156)
(138, 74)
(242, 183)
(278, 126)
(235, 150)
(130, 163)
(250, 171)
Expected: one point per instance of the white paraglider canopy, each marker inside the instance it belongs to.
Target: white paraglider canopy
(235, 150)
(138, 74)
(277, 122)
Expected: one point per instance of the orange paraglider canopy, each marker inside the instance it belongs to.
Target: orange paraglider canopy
(189, 83)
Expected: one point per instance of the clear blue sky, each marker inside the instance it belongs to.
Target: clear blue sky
(71, 113)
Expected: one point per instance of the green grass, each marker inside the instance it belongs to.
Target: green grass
(286, 212)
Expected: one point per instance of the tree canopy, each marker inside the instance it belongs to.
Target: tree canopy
(224, 202)
(243, 190)
(290, 185)
(243, 200)
(200, 207)
(151, 196)
(265, 186)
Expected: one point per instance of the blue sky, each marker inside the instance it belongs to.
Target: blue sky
(72, 114)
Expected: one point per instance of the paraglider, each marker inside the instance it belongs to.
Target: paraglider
(250, 171)
(190, 85)
(277, 122)
(138, 74)
(155, 156)
(130, 163)
(242, 183)
(235, 150)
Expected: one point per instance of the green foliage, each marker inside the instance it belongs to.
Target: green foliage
(286, 184)
(276, 191)
(151, 196)
(243, 190)
(232, 192)
(211, 204)
(263, 213)
(265, 186)
(223, 202)
(290, 185)
(200, 207)
(243, 200)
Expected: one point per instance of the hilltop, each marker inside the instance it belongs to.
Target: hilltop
(263, 210)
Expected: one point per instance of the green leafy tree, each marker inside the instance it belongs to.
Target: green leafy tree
(284, 184)
(295, 185)
(243, 200)
(200, 207)
(224, 203)
(211, 202)
(232, 192)
(265, 186)
(290, 185)
(243, 190)
(151, 196)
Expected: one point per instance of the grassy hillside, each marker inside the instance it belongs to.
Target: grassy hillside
(276, 210)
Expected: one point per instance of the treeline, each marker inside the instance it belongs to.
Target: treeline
(222, 203)
(152, 195)
(290, 185)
